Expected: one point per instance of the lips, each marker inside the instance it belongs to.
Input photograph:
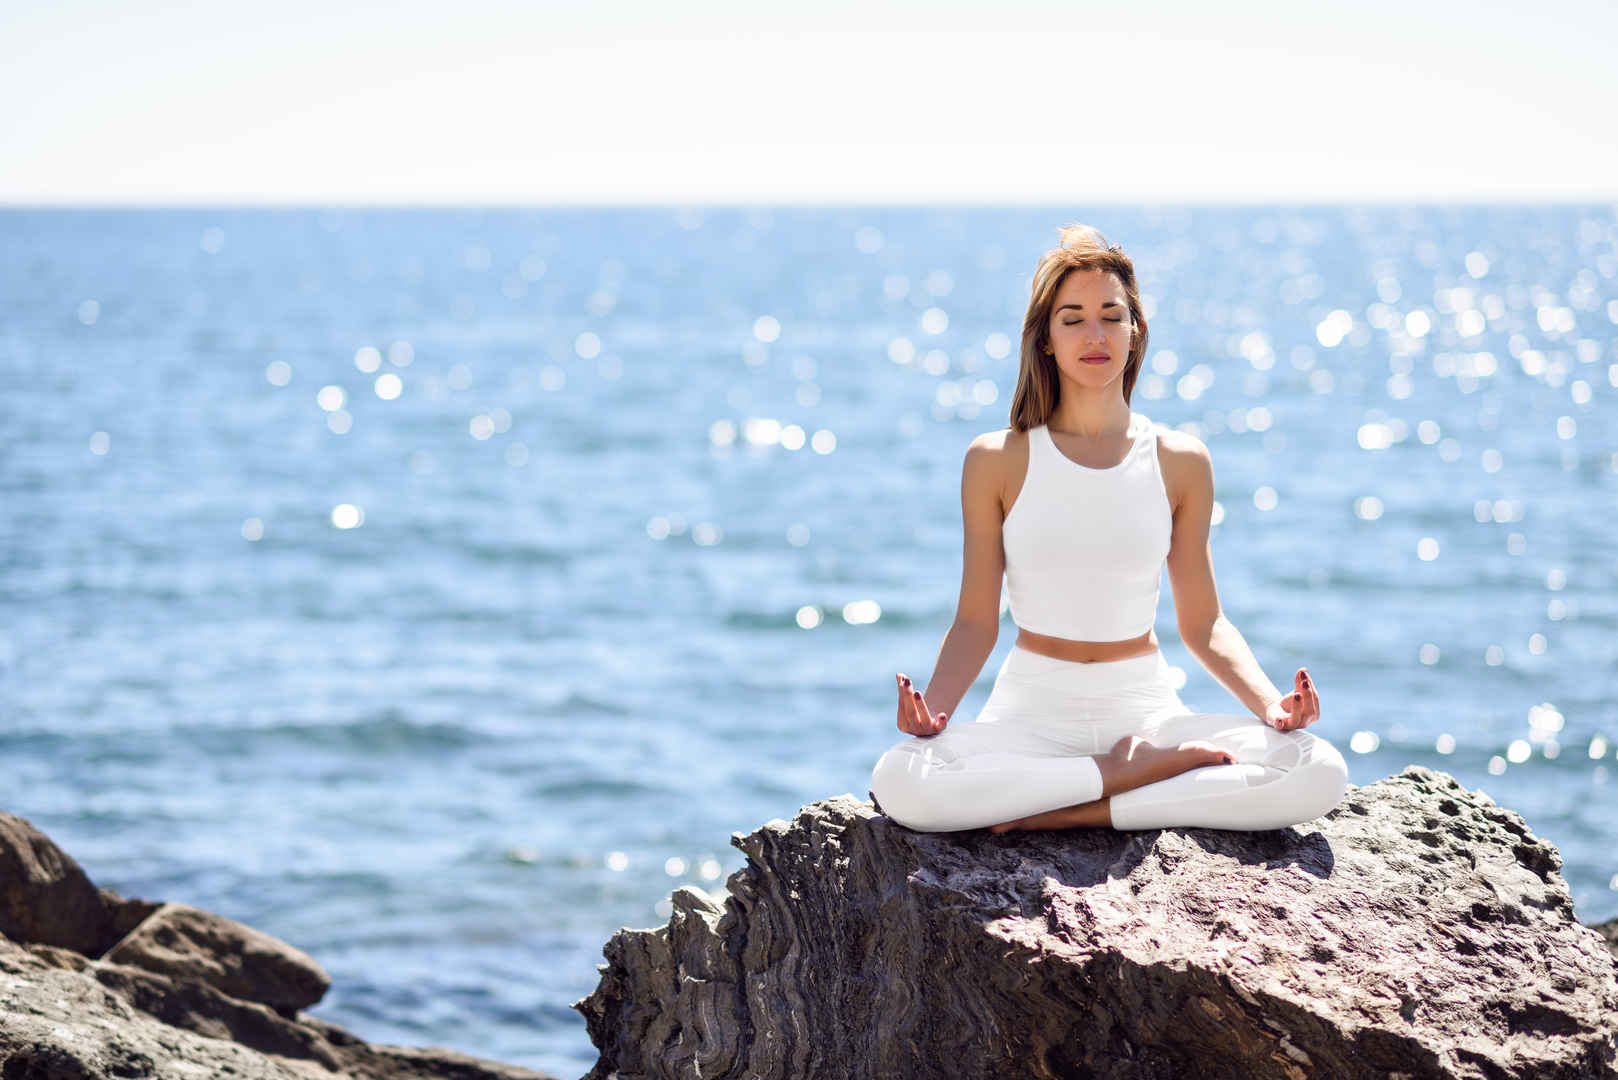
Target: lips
(1096, 358)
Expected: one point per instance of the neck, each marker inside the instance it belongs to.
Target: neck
(1094, 413)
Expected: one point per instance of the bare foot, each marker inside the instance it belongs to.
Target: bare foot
(1131, 763)
(1094, 814)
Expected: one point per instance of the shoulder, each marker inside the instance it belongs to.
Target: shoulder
(994, 443)
(1187, 466)
(991, 457)
(993, 449)
(1181, 449)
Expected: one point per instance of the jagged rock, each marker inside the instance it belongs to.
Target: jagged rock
(232, 958)
(126, 914)
(1419, 930)
(45, 895)
(1609, 933)
(109, 1022)
(199, 995)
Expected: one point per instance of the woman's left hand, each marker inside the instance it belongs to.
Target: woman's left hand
(1298, 709)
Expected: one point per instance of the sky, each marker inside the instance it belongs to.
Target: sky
(351, 102)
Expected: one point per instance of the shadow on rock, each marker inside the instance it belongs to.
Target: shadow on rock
(1419, 930)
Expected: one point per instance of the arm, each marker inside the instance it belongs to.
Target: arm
(1207, 634)
(971, 637)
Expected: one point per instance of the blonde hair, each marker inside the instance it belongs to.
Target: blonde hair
(1082, 248)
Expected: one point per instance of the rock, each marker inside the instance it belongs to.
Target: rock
(1609, 933)
(234, 959)
(126, 914)
(184, 994)
(110, 1022)
(45, 895)
(1419, 930)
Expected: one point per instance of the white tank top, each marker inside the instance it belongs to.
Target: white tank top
(1085, 547)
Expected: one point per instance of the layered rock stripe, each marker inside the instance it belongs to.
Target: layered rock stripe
(1419, 930)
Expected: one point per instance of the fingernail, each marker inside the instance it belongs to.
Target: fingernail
(917, 694)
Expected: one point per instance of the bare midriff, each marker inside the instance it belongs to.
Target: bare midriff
(1085, 652)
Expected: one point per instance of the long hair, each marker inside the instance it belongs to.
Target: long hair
(1082, 248)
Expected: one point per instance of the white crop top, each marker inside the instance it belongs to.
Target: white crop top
(1085, 548)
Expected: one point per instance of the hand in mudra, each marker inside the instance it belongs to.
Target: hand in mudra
(914, 716)
(1298, 709)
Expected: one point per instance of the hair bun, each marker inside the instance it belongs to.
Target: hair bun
(1083, 238)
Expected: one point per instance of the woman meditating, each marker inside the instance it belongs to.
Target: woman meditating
(1080, 504)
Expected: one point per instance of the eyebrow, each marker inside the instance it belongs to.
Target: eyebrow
(1104, 307)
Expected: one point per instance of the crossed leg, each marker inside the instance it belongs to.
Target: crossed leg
(1270, 780)
(992, 774)
(1131, 763)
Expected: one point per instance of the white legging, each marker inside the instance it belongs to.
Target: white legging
(1032, 748)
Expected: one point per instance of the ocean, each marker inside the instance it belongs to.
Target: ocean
(438, 589)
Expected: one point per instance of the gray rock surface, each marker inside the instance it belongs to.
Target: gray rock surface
(1609, 933)
(1419, 930)
(184, 995)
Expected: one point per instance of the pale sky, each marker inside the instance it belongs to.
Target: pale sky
(710, 101)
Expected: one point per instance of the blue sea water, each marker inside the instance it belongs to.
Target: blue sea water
(437, 590)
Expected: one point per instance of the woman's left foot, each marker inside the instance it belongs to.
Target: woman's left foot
(1068, 817)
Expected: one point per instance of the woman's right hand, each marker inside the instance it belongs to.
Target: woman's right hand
(914, 716)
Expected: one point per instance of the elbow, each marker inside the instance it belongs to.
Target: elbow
(979, 626)
(1197, 634)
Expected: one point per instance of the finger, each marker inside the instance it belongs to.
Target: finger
(1303, 704)
(1294, 705)
(918, 713)
(1314, 695)
(908, 722)
(943, 718)
(907, 707)
(934, 725)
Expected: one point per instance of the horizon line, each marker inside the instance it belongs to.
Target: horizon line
(340, 202)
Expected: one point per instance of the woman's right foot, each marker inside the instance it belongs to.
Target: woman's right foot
(1133, 762)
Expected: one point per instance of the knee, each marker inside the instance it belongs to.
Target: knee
(1321, 777)
(898, 789)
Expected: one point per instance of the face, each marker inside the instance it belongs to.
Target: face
(1090, 328)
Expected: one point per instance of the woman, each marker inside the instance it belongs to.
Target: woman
(1080, 504)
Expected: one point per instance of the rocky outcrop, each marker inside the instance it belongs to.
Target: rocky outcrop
(45, 896)
(1417, 931)
(236, 960)
(95, 986)
(1609, 933)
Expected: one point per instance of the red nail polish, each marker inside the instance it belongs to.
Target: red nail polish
(917, 693)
